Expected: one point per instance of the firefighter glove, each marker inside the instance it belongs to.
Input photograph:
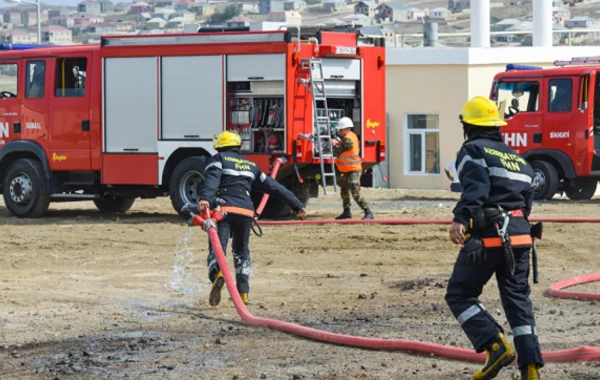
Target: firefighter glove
(475, 251)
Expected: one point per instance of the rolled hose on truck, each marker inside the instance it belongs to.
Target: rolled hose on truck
(582, 353)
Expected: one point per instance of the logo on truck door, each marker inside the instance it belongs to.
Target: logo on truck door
(58, 157)
(559, 135)
(372, 124)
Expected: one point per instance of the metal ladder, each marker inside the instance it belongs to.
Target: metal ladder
(322, 126)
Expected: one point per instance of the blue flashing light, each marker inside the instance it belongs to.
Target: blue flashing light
(516, 66)
(21, 46)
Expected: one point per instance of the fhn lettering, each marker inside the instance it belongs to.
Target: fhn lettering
(3, 130)
(515, 139)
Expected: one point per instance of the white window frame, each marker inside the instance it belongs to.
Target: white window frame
(406, 144)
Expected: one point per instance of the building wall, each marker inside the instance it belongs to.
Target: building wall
(439, 81)
(423, 89)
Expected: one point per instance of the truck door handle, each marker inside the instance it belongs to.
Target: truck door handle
(17, 127)
(130, 149)
(85, 125)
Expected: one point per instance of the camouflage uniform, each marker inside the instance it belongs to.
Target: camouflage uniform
(350, 182)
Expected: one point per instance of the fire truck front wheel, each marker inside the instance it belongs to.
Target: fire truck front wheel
(185, 182)
(26, 193)
(545, 181)
(582, 192)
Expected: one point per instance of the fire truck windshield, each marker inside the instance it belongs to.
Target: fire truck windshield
(8, 80)
(515, 97)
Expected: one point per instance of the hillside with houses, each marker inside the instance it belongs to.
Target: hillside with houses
(397, 21)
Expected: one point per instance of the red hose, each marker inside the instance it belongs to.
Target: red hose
(547, 219)
(263, 202)
(583, 353)
(555, 289)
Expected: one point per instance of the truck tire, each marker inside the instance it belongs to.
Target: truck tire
(185, 183)
(546, 180)
(26, 190)
(114, 204)
(582, 192)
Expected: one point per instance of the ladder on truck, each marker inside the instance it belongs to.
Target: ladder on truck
(322, 122)
(578, 61)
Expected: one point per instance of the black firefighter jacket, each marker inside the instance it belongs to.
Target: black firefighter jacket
(492, 175)
(230, 177)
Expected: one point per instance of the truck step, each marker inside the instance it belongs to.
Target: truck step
(73, 197)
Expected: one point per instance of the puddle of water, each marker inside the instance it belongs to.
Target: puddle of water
(184, 280)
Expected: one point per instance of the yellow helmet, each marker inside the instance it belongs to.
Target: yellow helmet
(482, 112)
(227, 138)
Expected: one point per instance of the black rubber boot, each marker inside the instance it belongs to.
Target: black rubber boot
(531, 372)
(499, 355)
(368, 215)
(345, 215)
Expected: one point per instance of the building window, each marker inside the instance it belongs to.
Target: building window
(421, 137)
(559, 95)
(8, 80)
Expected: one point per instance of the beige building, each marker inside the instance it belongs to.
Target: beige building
(288, 17)
(17, 37)
(56, 34)
(426, 89)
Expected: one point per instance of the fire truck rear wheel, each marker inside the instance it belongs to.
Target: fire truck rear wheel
(276, 209)
(185, 183)
(26, 192)
(582, 192)
(115, 204)
(545, 181)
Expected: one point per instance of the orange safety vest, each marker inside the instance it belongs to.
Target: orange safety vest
(349, 161)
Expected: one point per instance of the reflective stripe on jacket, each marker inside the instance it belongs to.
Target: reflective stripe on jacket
(231, 177)
(349, 160)
(493, 175)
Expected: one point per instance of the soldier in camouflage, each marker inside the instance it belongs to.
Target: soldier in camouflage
(348, 163)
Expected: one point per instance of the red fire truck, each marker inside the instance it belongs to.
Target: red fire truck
(135, 116)
(553, 118)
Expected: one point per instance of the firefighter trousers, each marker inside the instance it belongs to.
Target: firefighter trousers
(237, 227)
(465, 286)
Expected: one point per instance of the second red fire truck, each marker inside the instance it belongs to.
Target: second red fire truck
(553, 118)
(135, 116)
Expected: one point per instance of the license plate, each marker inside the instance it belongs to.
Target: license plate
(345, 50)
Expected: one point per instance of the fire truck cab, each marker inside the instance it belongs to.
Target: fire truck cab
(136, 115)
(553, 118)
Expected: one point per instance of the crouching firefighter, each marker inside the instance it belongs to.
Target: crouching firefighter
(490, 220)
(228, 180)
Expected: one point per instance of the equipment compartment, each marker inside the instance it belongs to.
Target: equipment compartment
(191, 95)
(257, 112)
(131, 93)
(255, 67)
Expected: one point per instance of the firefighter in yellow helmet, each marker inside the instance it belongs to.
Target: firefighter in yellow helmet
(229, 178)
(490, 221)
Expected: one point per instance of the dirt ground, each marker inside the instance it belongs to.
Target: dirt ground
(85, 295)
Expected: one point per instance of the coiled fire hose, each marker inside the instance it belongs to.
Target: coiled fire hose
(208, 222)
